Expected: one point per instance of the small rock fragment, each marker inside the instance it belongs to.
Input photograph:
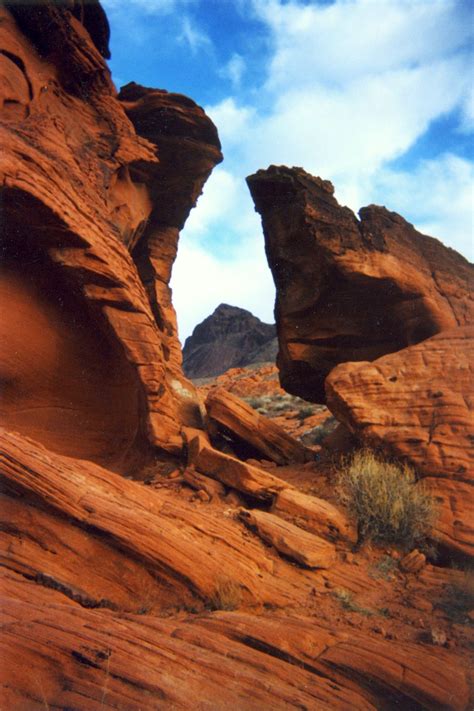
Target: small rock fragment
(438, 637)
(413, 562)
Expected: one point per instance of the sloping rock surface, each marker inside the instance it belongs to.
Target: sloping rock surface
(375, 290)
(108, 661)
(80, 209)
(418, 405)
(349, 289)
(253, 433)
(230, 337)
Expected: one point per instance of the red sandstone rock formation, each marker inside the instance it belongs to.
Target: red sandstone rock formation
(417, 405)
(253, 434)
(85, 206)
(349, 289)
(114, 591)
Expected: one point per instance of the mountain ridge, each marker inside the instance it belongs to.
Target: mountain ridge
(230, 337)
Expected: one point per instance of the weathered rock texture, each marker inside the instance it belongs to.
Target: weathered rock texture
(377, 291)
(228, 338)
(349, 289)
(85, 207)
(252, 433)
(113, 590)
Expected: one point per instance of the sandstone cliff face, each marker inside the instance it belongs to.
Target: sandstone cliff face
(349, 289)
(374, 290)
(118, 592)
(96, 371)
(228, 338)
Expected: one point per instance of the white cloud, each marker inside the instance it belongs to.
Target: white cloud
(351, 38)
(191, 35)
(348, 87)
(233, 121)
(439, 193)
(234, 70)
(150, 7)
(201, 282)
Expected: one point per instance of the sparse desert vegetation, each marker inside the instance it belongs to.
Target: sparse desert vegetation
(226, 596)
(387, 502)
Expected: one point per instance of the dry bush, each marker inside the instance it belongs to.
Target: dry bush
(390, 507)
(226, 596)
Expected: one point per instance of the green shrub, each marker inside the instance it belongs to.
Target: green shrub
(390, 507)
(306, 411)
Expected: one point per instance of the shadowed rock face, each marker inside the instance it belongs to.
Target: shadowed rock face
(376, 291)
(228, 338)
(349, 289)
(91, 212)
(107, 583)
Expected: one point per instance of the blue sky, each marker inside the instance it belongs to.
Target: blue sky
(375, 95)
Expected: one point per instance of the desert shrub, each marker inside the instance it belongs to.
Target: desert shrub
(254, 402)
(386, 501)
(346, 599)
(226, 596)
(384, 568)
(305, 411)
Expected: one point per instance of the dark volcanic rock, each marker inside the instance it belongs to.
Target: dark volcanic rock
(229, 338)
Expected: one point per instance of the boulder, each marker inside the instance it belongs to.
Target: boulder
(416, 404)
(304, 548)
(253, 434)
(314, 515)
(349, 289)
(232, 472)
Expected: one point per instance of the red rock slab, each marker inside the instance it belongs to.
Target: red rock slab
(390, 674)
(314, 514)
(431, 679)
(185, 551)
(348, 289)
(68, 657)
(416, 404)
(253, 432)
(232, 472)
(50, 550)
(305, 548)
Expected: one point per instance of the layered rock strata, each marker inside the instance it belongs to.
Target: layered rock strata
(118, 593)
(376, 291)
(81, 211)
(350, 289)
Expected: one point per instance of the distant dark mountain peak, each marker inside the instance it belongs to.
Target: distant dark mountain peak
(230, 337)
